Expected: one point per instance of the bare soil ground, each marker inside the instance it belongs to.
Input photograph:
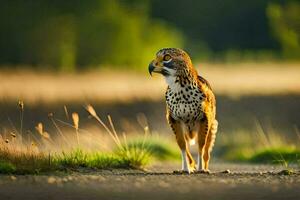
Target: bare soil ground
(244, 182)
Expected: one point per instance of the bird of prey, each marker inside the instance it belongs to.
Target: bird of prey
(191, 107)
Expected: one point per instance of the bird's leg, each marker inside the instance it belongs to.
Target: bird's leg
(191, 161)
(184, 164)
(182, 143)
(207, 150)
(188, 163)
(190, 138)
(202, 137)
(183, 147)
(199, 161)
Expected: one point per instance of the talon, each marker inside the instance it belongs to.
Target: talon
(192, 170)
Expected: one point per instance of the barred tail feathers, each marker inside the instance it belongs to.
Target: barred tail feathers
(213, 132)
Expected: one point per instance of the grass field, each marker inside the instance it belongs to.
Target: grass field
(39, 151)
(258, 110)
(122, 86)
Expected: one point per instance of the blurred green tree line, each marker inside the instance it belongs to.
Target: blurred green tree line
(233, 29)
(69, 35)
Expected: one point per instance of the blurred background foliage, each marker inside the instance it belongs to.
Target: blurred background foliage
(70, 35)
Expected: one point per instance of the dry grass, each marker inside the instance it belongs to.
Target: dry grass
(72, 147)
(232, 80)
(254, 78)
(43, 152)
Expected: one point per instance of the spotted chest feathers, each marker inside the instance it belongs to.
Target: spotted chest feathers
(184, 100)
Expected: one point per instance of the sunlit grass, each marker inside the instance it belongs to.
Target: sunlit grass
(73, 148)
(260, 147)
(34, 163)
(24, 161)
(160, 148)
(7, 167)
(277, 155)
(71, 152)
(30, 160)
(96, 160)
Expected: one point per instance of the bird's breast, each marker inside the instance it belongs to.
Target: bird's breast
(185, 103)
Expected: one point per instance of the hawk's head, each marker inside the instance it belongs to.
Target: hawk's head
(170, 62)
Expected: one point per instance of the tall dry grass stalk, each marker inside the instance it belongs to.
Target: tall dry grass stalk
(36, 139)
(113, 129)
(50, 116)
(41, 131)
(21, 110)
(143, 122)
(75, 118)
(269, 142)
(66, 112)
(13, 135)
(34, 153)
(93, 113)
(297, 132)
(139, 155)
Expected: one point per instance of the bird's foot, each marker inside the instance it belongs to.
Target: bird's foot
(192, 168)
(203, 171)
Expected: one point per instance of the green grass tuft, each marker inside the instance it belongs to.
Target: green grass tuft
(159, 148)
(276, 155)
(135, 157)
(33, 163)
(25, 162)
(96, 160)
(7, 168)
(260, 147)
(136, 154)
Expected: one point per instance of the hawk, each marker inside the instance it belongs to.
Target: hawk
(191, 107)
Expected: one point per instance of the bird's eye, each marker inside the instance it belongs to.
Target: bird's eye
(167, 57)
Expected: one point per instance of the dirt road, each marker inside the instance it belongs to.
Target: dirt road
(244, 182)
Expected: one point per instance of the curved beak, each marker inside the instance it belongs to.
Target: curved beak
(153, 68)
